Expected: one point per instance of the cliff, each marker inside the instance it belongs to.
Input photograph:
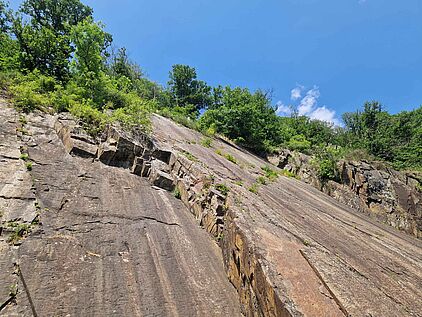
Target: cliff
(106, 237)
(389, 196)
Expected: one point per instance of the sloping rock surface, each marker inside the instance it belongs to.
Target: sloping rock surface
(109, 244)
(113, 241)
(387, 195)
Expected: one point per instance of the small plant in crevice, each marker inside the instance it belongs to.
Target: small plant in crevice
(28, 166)
(254, 188)
(223, 189)
(23, 131)
(24, 157)
(206, 142)
(190, 156)
(239, 183)
(269, 173)
(13, 290)
(176, 193)
(230, 158)
(288, 174)
(19, 231)
(23, 120)
(261, 180)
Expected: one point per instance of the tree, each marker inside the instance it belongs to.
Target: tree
(5, 16)
(120, 65)
(247, 118)
(91, 42)
(186, 90)
(42, 29)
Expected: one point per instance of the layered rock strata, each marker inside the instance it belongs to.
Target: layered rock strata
(387, 195)
(288, 249)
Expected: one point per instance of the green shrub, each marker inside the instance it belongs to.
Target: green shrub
(33, 91)
(254, 188)
(269, 173)
(261, 180)
(28, 166)
(206, 142)
(93, 119)
(288, 174)
(136, 113)
(325, 162)
(223, 189)
(230, 158)
(176, 193)
(299, 143)
(24, 156)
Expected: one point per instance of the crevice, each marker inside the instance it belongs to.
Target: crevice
(17, 198)
(31, 303)
(339, 304)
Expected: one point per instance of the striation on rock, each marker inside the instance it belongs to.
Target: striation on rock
(390, 196)
(120, 242)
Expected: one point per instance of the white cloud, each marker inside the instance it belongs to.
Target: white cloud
(324, 114)
(283, 110)
(308, 106)
(309, 101)
(296, 92)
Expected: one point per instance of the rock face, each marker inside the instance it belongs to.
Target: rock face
(109, 244)
(114, 242)
(385, 194)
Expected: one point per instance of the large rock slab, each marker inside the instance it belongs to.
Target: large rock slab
(289, 249)
(110, 244)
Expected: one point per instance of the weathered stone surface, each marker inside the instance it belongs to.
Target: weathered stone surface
(123, 247)
(110, 244)
(290, 250)
(387, 195)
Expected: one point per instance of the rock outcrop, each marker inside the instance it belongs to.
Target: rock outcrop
(390, 196)
(114, 239)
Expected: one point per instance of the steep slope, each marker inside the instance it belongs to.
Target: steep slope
(109, 244)
(112, 244)
(387, 195)
(316, 255)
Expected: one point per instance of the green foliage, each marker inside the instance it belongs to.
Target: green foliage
(136, 113)
(190, 156)
(261, 180)
(223, 189)
(288, 174)
(186, 90)
(393, 138)
(206, 142)
(270, 173)
(230, 158)
(42, 29)
(13, 290)
(254, 188)
(24, 156)
(20, 230)
(33, 91)
(28, 166)
(90, 42)
(325, 162)
(248, 119)
(177, 194)
(180, 115)
(299, 143)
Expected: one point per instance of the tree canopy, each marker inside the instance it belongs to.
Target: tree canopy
(53, 54)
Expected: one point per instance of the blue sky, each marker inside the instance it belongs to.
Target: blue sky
(333, 54)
